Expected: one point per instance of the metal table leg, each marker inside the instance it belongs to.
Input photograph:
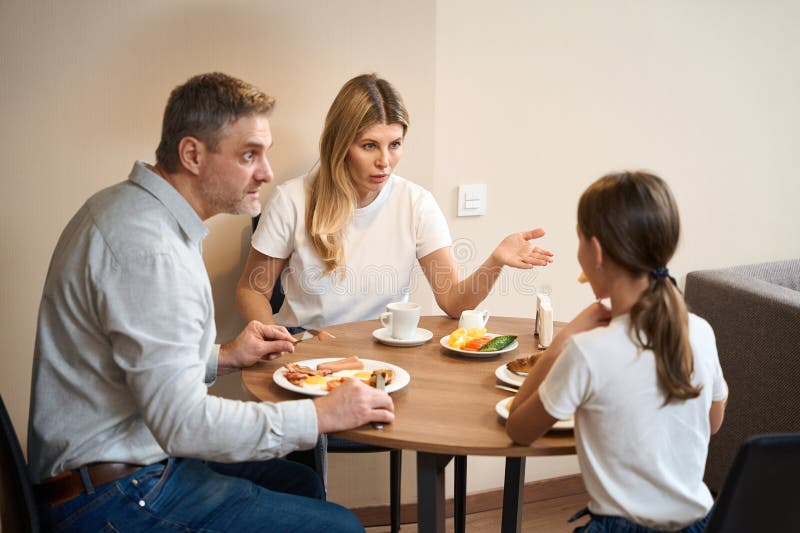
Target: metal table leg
(430, 491)
(512, 495)
(460, 495)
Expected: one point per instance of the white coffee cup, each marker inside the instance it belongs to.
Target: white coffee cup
(473, 318)
(401, 319)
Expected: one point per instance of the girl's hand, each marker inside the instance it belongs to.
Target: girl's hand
(595, 316)
(516, 250)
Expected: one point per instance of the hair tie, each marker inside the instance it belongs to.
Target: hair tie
(662, 272)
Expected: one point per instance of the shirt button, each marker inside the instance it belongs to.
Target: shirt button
(135, 482)
(141, 503)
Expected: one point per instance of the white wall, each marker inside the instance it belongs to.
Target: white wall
(536, 99)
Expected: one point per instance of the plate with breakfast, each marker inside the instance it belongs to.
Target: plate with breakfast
(514, 372)
(502, 411)
(477, 342)
(316, 377)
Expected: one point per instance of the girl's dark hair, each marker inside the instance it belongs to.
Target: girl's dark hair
(635, 218)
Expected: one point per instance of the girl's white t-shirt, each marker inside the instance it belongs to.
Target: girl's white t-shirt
(382, 245)
(640, 460)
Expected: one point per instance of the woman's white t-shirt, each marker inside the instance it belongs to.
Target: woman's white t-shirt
(381, 248)
(639, 460)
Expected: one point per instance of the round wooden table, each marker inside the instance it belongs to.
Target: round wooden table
(446, 411)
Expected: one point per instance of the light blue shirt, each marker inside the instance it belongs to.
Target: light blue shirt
(125, 345)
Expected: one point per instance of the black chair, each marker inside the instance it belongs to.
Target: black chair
(317, 459)
(762, 487)
(17, 504)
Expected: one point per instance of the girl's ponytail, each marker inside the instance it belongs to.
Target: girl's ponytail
(660, 322)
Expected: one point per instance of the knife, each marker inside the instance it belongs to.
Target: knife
(502, 386)
(380, 384)
(320, 334)
(303, 337)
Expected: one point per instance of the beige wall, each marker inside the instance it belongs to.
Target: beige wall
(536, 99)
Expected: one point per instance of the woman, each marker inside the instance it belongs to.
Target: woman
(345, 238)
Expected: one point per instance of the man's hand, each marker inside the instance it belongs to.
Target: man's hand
(516, 250)
(256, 342)
(352, 404)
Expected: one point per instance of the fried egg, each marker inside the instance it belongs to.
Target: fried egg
(321, 382)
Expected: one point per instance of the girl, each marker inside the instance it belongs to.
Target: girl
(642, 379)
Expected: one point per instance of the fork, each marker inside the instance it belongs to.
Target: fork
(380, 384)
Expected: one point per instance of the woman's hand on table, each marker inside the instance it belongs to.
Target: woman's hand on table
(255, 343)
(351, 405)
(516, 250)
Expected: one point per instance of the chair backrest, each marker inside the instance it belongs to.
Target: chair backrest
(762, 487)
(276, 300)
(17, 505)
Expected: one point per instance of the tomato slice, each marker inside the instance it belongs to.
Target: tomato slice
(333, 383)
(475, 344)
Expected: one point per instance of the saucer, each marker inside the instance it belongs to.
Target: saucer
(383, 336)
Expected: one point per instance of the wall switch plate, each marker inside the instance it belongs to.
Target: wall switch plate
(471, 200)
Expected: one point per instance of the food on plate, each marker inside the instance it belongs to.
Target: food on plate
(460, 337)
(522, 365)
(331, 374)
(582, 277)
(388, 376)
(349, 363)
(476, 340)
(297, 374)
(497, 343)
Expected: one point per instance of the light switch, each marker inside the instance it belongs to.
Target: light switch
(472, 203)
(471, 200)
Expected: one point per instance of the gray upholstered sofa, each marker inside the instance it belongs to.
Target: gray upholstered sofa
(755, 313)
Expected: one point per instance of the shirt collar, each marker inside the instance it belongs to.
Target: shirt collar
(176, 204)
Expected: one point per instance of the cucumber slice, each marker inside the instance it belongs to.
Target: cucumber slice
(498, 343)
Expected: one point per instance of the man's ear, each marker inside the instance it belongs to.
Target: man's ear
(191, 151)
(597, 253)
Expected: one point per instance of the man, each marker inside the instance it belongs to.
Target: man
(122, 430)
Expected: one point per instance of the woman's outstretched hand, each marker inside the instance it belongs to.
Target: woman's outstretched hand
(516, 250)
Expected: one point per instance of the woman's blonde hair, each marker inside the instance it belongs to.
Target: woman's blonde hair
(635, 218)
(362, 102)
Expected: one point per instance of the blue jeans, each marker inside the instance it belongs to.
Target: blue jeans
(617, 524)
(191, 495)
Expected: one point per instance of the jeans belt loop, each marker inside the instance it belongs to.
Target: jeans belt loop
(87, 480)
(579, 514)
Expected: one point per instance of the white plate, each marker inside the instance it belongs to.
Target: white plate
(502, 409)
(383, 336)
(401, 377)
(513, 346)
(507, 376)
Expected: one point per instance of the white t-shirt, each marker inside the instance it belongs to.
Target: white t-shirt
(381, 248)
(639, 460)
